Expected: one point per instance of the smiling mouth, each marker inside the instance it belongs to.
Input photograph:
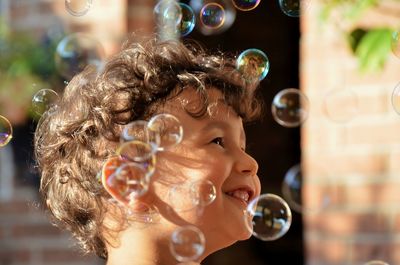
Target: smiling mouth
(241, 194)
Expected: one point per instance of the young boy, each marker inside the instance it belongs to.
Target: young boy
(74, 140)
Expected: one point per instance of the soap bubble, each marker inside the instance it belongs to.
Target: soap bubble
(341, 105)
(230, 15)
(132, 180)
(139, 152)
(396, 98)
(376, 262)
(78, 7)
(44, 100)
(271, 217)
(253, 64)
(167, 12)
(187, 243)
(165, 130)
(136, 130)
(395, 44)
(246, 5)
(292, 189)
(188, 20)
(75, 52)
(290, 8)
(190, 195)
(290, 107)
(212, 15)
(6, 131)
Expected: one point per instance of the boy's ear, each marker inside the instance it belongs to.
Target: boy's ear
(117, 187)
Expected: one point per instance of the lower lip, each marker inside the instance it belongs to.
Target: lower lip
(244, 203)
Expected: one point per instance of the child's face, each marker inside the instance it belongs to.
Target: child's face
(212, 149)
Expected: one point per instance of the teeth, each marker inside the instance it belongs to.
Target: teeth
(240, 194)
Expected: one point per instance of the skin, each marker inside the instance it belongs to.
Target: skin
(212, 149)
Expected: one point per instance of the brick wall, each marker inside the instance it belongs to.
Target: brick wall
(26, 235)
(352, 155)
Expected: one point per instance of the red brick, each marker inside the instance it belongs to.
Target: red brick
(12, 256)
(327, 251)
(368, 250)
(384, 132)
(35, 230)
(347, 224)
(372, 194)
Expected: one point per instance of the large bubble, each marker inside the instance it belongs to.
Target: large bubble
(187, 243)
(6, 131)
(165, 131)
(290, 107)
(76, 51)
(271, 217)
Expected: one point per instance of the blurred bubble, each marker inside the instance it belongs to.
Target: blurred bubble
(6, 131)
(188, 21)
(376, 262)
(396, 98)
(271, 217)
(246, 5)
(253, 64)
(78, 7)
(395, 44)
(212, 15)
(293, 189)
(290, 107)
(230, 15)
(203, 192)
(136, 130)
(75, 52)
(44, 100)
(165, 130)
(167, 11)
(290, 8)
(187, 243)
(139, 152)
(341, 105)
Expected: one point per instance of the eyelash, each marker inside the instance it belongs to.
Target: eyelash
(219, 141)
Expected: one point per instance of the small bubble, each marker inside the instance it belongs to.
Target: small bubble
(78, 8)
(396, 98)
(165, 130)
(187, 243)
(44, 100)
(212, 15)
(246, 5)
(291, 8)
(253, 64)
(6, 131)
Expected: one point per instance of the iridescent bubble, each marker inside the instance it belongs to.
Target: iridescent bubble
(376, 262)
(139, 152)
(136, 130)
(78, 7)
(293, 188)
(396, 43)
(165, 130)
(253, 64)
(212, 15)
(188, 20)
(271, 217)
(290, 8)
(187, 243)
(44, 100)
(75, 52)
(230, 15)
(167, 12)
(246, 5)
(341, 105)
(290, 107)
(6, 131)
(396, 98)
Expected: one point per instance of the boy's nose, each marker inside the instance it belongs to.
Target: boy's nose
(246, 164)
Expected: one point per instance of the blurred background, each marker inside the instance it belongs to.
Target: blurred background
(329, 142)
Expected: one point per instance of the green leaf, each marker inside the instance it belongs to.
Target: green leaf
(373, 49)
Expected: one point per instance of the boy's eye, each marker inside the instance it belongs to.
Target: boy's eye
(218, 141)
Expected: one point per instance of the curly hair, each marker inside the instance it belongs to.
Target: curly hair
(74, 139)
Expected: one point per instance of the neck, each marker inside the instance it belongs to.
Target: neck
(141, 246)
